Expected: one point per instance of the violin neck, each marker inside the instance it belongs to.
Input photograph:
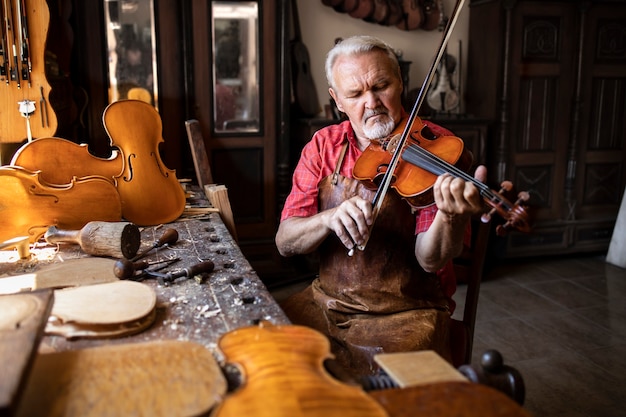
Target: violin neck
(421, 158)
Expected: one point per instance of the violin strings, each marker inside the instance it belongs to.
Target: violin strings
(418, 156)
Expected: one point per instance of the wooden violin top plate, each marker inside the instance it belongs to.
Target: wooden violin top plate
(108, 303)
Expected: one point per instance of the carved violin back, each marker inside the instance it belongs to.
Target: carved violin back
(29, 206)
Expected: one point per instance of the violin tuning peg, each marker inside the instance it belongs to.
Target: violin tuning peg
(486, 218)
(506, 186)
(501, 230)
(523, 196)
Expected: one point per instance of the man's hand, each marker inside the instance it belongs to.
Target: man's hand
(350, 221)
(455, 196)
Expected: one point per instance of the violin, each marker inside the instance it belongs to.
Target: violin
(412, 15)
(413, 182)
(443, 97)
(432, 14)
(151, 193)
(364, 10)
(410, 162)
(425, 157)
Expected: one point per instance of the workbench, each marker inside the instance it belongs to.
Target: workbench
(229, 297)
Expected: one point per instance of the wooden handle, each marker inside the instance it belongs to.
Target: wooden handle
(115, 239)
(56, 235)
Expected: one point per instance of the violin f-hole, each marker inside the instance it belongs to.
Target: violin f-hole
(129, 177)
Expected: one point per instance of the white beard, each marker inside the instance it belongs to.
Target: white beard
(379, 129)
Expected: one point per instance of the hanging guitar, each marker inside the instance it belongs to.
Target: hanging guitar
(24, 90)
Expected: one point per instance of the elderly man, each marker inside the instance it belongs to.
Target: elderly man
(396, 293)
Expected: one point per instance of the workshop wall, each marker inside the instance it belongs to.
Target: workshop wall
(321, 25)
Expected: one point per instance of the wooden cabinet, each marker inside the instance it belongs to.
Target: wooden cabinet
(552, 76)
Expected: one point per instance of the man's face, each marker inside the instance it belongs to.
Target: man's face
(368, 90)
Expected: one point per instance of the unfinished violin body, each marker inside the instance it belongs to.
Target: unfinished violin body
(60, 160)
(28, 205)
(283, 375)
(150, 192)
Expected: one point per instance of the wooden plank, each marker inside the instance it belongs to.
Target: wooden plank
(70, 273)
(141, 379)
(22, 321)
(218, 196)
(198, 152)
(418, 368)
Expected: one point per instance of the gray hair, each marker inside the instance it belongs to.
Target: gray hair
(358, 45)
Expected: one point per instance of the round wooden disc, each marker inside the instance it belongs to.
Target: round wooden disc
(108, 303)
(75, 330)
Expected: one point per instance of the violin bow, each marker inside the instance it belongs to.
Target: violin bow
(383, 188)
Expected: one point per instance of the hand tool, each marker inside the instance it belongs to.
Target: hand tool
(115, 239)
(169, 237)
(197, 269)
(125, 269)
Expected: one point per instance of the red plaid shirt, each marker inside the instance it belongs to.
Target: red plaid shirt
(318, 160)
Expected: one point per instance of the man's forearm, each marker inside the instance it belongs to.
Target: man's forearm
(441, 242)
(300, 235)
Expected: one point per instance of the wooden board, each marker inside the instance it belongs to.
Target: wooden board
(199, 153)
(72, 272)
(418, 368)
(169, 378)
(22, 320)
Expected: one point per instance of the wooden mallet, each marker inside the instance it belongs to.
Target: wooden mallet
(115, 239)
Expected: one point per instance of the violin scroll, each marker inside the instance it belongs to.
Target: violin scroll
(516, 214)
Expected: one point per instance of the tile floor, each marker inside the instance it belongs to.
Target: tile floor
(562, 323)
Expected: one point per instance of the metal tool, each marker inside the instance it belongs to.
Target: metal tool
(169, 237)
(197, 269)
(125, 269)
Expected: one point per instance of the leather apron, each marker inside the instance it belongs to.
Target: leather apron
(379, 300)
